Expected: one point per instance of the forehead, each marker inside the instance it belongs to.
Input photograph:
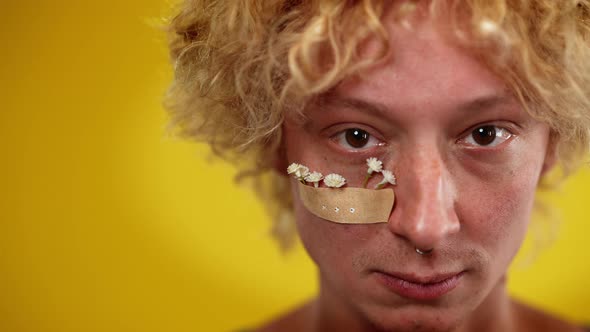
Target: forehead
(424, 69)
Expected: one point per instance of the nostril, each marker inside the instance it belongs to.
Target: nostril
(424, 212)
(423, 226)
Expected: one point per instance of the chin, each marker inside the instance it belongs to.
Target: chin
(415, 319)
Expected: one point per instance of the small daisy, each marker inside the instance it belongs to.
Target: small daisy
(292, 168)
(388, 177)
(314, 177)
(299, 171)
(375, 166)
(334, 180)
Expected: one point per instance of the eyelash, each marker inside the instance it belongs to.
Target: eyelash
(500, 132)
(340, 138)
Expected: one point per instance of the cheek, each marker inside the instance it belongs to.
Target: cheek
(328, 243)
(496, 212)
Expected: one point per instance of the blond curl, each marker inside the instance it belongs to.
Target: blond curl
(241, 65)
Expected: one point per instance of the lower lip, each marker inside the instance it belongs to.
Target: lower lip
(419, 291)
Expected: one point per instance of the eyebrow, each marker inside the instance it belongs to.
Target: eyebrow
(372, 108)
(379, 110)
(486, 102)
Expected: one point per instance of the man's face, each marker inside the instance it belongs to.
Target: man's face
(467, 159)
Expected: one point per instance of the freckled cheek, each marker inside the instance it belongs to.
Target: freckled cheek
(496, 214)
(328, 243)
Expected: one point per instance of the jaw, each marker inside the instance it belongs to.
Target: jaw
(335, 311)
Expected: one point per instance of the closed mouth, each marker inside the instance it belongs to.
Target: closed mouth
(416, 287)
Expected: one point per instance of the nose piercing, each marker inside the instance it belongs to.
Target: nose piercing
(424, 252)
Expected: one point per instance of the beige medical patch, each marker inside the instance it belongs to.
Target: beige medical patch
(348, 205)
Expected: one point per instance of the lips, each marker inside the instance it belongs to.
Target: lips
(420, 287)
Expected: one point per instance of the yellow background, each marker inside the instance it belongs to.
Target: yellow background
(106, 224)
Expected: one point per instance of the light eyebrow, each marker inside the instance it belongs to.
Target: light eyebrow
(485, 103)
(371, 108)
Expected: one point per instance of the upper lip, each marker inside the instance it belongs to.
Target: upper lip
(426, 279)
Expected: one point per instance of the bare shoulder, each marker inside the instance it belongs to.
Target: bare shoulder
(298, 319)
(532, 319)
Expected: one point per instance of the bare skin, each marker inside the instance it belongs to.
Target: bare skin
(422, 113)
(522, 319)
(513, 316)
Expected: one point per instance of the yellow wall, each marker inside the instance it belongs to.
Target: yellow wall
(108, 225)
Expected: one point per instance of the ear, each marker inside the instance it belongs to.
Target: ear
(551, 154)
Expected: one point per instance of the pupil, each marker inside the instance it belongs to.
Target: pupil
(357, 137)
(484, 135)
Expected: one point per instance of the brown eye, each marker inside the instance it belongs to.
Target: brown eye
(487, 136)
(484, 135)
(357, 138)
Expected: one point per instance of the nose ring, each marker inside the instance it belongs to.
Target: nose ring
(424, 252)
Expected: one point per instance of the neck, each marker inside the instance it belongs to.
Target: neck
(493, 314)
(332, 313)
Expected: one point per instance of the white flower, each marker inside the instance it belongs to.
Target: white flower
(314, 177)
(292, 168)
(299, 171)
(334, 180)
(375, 165)
(302, 172)
(388, 177)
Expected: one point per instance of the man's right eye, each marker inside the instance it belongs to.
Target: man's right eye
(356, 139)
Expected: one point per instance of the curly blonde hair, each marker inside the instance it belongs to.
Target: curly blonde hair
(241, 65)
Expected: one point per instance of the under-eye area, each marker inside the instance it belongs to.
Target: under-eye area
(428, 125)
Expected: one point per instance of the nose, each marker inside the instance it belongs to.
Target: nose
(425, 200)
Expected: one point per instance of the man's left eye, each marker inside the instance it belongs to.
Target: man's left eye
(487, 136)
(356, 139)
